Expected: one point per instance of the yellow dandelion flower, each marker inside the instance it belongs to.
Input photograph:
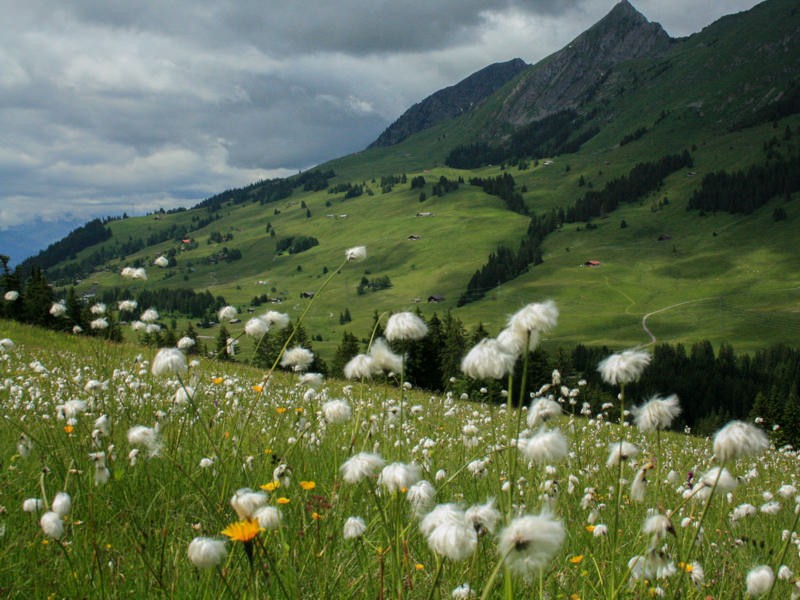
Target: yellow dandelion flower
(271, 486)
(308, 485)
(283, 500)
(243, 531)
(316, 516)
(299, 410)
(258, 388)
(280, 410)
(268, 451)
(217, 380)
(68, 429)
(576, 560)
(590, 528)
(419, 566)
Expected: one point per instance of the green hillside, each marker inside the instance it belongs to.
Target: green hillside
(723, 94)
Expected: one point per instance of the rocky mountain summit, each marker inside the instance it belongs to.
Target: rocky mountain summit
(451, 101)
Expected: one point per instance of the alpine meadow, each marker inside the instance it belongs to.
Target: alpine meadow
(537, 340)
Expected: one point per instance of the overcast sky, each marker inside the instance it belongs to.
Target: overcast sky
(113, 106)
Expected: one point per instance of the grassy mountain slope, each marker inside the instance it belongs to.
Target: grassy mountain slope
(732, 278)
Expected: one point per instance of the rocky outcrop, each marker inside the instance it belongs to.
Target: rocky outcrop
(564, 79)
(451, 101)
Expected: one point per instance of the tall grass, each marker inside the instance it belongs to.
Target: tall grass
(130, 535)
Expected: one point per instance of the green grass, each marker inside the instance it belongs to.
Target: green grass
(129, 536)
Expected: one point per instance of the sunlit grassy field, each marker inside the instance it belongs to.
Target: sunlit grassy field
(139, 497)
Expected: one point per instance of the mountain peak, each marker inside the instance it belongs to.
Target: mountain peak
(450, 101)
(562, 79)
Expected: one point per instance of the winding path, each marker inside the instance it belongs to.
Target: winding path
(660, 310)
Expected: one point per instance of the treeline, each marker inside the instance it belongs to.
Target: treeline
(29, 298)
(641, 180)
(199, 305)
(504, 264)
(296, 244)
(269, 190)
(504, 187)
(745, 191)
(561, 133)
(715, 387)
(78, 239)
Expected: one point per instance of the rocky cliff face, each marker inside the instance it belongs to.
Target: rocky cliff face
(450, 102)
(563, 79)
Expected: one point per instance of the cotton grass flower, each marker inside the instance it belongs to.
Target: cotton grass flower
(62, 504)
(207, 553)
(738, 439)
(169, 361)
(127, 305)
(52, 525)
(448, 532)
(483, 517)
(354, 528)
(185, 343)
(150, 316)
(462, 592)
(420, 496)
(620, 451)
(256, 327)
(398, 476)
(145, 437)
(405, 326)
(361, 366)
(336, 411)
(161, 261)
(529, 542)
(356, 254)
(360, 466)
(487, 360)
(657, 527)
(99, 324)
(246, 502)
(548, 446)
(311, 380)
(759, 580)
(31, 505)
(227, 313)
(656, 413)
(98, 309)
(719, 477)
(384, 358)
(542, 410)
(537, 317)
(57, 309)
(277, 321)
(297, 358)
(269, 518)
(624, 367)
(11, 296)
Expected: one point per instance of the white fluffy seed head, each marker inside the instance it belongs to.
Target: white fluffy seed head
(207, 553)
(405, 326)
(169, 361)
(52, 525)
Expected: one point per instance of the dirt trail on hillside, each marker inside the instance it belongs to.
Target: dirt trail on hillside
(660, 310)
